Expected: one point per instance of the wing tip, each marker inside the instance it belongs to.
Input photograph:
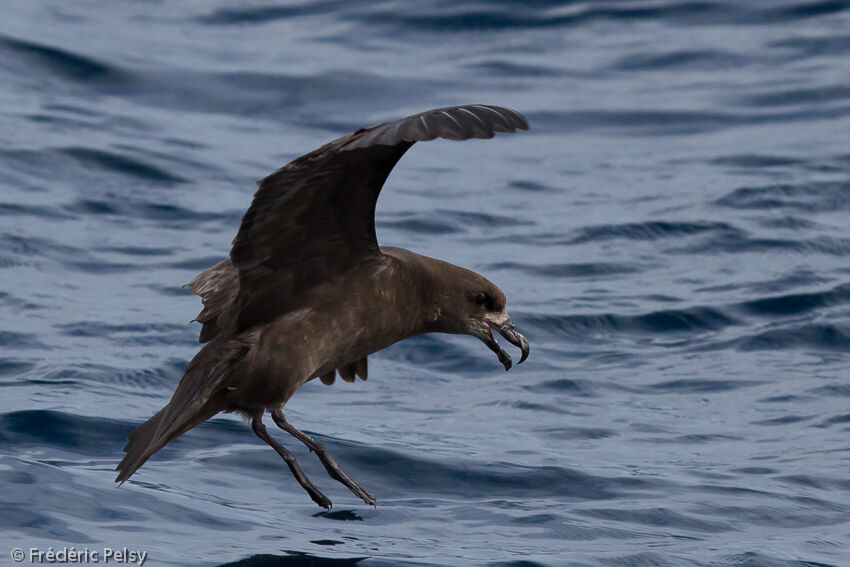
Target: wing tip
(462, 122)
(513, 120)
(473, 121)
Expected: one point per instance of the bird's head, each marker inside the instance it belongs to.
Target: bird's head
(469, 303)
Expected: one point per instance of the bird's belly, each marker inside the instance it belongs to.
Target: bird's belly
(304, 344)
(259, 391)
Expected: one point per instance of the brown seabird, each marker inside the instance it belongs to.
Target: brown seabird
(307, 292)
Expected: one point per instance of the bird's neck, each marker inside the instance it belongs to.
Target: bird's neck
(414, 292)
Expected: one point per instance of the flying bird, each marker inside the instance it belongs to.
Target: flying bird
(307, 292)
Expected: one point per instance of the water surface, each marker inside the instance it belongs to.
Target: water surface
(672, 234)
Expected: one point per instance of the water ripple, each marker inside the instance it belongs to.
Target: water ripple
(121, 164)
(695, 319)
(65, 63)
(671, 235)
(809, 197)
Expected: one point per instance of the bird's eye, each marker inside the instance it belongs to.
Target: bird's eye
(481, 298)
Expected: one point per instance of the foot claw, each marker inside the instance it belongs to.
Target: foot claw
(364, 495)
(321, 500)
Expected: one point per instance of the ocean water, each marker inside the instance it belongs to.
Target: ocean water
(673, 236)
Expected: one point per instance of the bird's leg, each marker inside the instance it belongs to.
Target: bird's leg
(325, 457)
(289, 458)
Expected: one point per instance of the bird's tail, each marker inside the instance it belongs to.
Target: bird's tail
(194, 401)
(150, 437)
(141, 444)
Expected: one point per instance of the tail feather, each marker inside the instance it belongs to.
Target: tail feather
(194, 402)
(140, 445)
(150, 437)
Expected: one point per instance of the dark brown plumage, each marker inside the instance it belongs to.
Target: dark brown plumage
(307, 292)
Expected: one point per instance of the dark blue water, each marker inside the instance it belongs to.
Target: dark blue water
(672, 234)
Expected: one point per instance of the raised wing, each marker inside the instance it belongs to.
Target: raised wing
(315, 217)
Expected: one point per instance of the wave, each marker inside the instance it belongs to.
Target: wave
(790, 97)
(812, 336)
(93, 436)
(491, 480)
(65, 63)
(512, 14)
(796, 303)
(442, 221)
(121, 164)
(418, 224)
(820, 45)
(44, 212)
(237, 93)
(596, 270)
(655, 122)
(659, 517)
(570, 386)
(267, 14)
(757, 161)
(812, 197)
(440, 356)
(648, 230)
(175, 216)
(13, 367)
(684, 59)
(740, 243)
(801, 278)
(15, 340)
(690, 320)
(504, 68)
(309, 560)
(34, 251)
